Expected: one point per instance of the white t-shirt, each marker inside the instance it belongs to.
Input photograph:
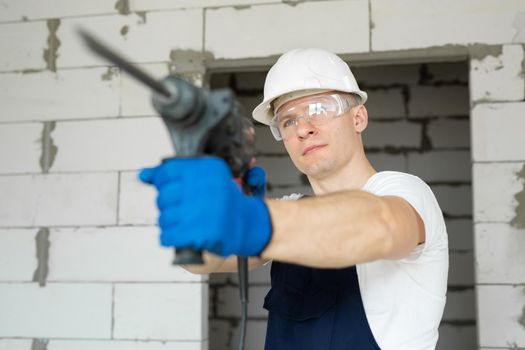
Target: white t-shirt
(404, 299)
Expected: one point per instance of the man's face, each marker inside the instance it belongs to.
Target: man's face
(322, 150)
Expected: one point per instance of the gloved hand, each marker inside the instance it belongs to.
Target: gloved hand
(255, 178)
(201, 207)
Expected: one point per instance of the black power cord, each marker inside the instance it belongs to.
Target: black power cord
(242, 267)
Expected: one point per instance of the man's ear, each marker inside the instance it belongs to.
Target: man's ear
(360, 118)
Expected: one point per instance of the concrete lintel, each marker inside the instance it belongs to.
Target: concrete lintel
(434, 54)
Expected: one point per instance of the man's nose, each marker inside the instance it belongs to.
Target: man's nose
(305, 128)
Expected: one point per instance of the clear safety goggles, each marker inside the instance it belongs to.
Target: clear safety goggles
(316, 110)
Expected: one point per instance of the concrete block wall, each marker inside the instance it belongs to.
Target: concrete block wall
(57, 182)
(419, 123)
(498, 149)
(80, 262)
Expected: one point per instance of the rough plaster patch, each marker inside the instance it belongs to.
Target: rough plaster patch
(110, 74)
(124, 30)
(51, 53)
(42, 255)
(519, 219)
(479, 52)
(188, 60)
(295, 2)
(519, 24)
(426, 143)
(425, 76)
(522, 318)
(122, 6)
(142, 15)
(522, 74)
(31, 71)
(39, 344)
(49, 149)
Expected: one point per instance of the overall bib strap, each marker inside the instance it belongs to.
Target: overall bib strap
(316, 309)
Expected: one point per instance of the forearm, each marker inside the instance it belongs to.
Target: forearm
(336, 230)
(216, 264)
(212, 263)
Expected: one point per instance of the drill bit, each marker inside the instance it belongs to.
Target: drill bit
(115, 58)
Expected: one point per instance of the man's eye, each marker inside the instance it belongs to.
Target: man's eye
(287, 122)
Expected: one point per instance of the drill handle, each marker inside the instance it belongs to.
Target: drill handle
(187, 256)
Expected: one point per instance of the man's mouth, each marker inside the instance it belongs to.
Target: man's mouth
(312, 149)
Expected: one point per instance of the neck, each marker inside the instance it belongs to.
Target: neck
(353, 176)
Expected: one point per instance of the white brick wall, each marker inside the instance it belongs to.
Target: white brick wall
(28, 9)
(501, 317)
(238, 33)
(67, 94)
(497, 132)
(179, 29)
(136, 98)
(460, 22)
(496, 203)
(96, 191)
(23, 45)
(59, 344)
(499, 260)
(20, 147)
(124, 345)
(136, 201)
(121, 144)
(181, 307)
(15, 344)
(144, 5)
(17, 255)
(83, 254)
(58, 200)
(57, 310)
(498, 78)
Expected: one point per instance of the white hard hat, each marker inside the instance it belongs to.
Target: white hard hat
(303, 72)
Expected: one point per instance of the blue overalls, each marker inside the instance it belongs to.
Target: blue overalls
(316, 309)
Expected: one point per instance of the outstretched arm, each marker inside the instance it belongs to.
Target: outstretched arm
(203, 209)
(342, 229)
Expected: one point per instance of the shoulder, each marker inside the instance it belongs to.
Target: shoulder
(420, 196)
(385, 181)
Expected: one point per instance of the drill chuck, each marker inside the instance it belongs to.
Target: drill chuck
(184, 105)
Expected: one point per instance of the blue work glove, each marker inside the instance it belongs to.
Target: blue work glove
(255, 178)
(201, 207)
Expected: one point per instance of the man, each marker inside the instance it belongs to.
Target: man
(361, 265)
